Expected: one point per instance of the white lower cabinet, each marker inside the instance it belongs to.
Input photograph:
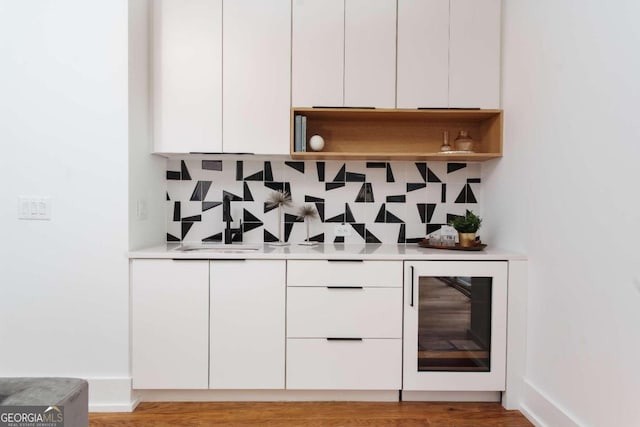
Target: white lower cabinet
(344, 325)
(169, 324)
(247, 324)
(339, 364)
(198, 324)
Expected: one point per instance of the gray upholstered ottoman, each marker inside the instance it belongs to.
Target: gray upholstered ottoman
(70, 393)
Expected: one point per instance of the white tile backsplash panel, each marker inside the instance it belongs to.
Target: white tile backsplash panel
(388, 202)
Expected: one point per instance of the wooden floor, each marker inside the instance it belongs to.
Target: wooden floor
(314, 414)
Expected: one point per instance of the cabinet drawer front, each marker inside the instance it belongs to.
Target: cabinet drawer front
(344, 273)
(344, 312)
(320, 364)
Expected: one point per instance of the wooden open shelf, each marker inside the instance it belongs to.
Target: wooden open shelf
(369, 134)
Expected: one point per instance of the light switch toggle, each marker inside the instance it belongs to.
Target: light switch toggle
(34, 207)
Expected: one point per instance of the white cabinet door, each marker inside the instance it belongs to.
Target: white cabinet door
(257, 76)
(187, 75)
(370, 53)
(455, 326)
(474, 64)
(317, 53)
(247, 324)
(169, 324)
(423, 53)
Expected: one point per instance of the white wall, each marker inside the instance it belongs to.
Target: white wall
(566, 193)
(147, 186)
(64, 134)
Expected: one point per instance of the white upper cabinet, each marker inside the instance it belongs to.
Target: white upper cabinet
(423, 53)
(187, 75)
(317, 53)
(256, 76)
(474, 54)
(370, 53)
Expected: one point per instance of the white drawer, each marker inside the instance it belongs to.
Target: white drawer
(323, 312)
(344, 273)
(319, 364)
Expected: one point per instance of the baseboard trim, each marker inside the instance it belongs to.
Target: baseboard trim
(538, 408)
(451, 396)
(266, 395)
(111, 395)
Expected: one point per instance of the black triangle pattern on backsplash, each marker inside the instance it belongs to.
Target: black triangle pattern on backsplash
(337, 218)
(249, 217)
(247, 196)
(360, 229)
(196, 195)
(209, 205)
(452, 167)
(392, 219)
(288, 226)
(184, 172)
(471, 198)
(299, 166)
(292, 218)
(390, 177)
(269, 238)
(365, 195)
(213, 238)
(320, 167)
(176, 211)
(415, 186)
(317, 238)
(233, 197)
(382, 214)
(333, 185)
(422, 168)
(401, 233)
(348, 215)
(186, 226)
(340, 176)
(258, 176)
(268, 172)
(391, 224)
(355, 177)
(376, 165)
(248, 226)
(432, 177)
(320, 209)
(212, 165)
(400, 198)
(371, 238)
(239, 170)
(433, 227)
(311, 199)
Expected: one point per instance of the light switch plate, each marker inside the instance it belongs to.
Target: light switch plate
(342, 230)
(34, 207)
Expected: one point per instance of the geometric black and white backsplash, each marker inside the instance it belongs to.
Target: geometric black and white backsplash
(383, 202)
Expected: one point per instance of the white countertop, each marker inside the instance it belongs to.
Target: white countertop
(329, 251)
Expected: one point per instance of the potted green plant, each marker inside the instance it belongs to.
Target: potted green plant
(466, 225)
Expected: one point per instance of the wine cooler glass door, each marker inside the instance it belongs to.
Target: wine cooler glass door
(455, 326)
